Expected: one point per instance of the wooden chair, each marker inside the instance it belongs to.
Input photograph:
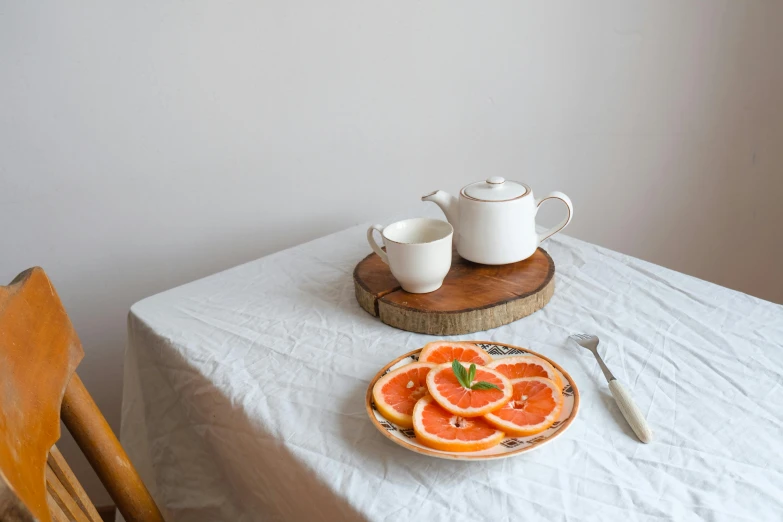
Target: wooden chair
(39, 352)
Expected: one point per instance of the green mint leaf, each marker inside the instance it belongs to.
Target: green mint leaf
(459, 371)
(471, 373)
(484, 385)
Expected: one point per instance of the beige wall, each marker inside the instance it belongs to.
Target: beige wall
(145, 144)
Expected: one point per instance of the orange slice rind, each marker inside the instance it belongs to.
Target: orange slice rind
(440, 429)
(447, 391)
(396, 393)
(519, 366)
(535, 405)
(440, 352)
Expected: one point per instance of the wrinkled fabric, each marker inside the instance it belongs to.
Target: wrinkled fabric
(244, 399)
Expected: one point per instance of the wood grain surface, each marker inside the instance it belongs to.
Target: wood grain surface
(63, 474)
(473, 297)
(39, 352)
(97, 441)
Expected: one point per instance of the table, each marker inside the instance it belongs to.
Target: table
(244, 399)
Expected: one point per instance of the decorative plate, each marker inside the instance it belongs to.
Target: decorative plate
(511, 445)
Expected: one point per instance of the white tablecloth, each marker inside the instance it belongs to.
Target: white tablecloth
(244, 399)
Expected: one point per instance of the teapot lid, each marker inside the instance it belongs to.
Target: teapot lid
(495, 189)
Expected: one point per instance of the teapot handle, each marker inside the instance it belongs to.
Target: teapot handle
(560, 226)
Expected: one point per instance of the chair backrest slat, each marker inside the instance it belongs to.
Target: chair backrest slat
(57, 514)
(63, 498)
(59, 467)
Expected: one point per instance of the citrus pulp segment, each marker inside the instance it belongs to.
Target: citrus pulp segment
(519, 366)
(534, 406)
(442, 430)
(443, 351)
(447, 391)
(396, 393)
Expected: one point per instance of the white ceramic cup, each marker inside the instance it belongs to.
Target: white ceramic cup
(418, 252)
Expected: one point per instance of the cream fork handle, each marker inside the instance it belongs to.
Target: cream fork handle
(631, 411)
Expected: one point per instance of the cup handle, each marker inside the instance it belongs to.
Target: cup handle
(375, 248)
(557, 228)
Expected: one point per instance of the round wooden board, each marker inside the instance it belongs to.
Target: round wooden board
(473, 297)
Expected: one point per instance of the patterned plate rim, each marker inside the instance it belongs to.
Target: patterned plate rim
(469, 455)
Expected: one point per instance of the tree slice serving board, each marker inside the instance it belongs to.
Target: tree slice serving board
(473, 297)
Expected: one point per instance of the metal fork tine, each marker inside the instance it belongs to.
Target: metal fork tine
(627, 406)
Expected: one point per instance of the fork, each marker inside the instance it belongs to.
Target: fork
(622, 397)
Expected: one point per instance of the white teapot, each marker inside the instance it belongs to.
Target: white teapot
(495, 220)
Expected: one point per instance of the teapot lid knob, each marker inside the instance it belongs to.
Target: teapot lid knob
(495, 189)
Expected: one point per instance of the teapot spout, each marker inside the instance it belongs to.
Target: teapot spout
(448, 204)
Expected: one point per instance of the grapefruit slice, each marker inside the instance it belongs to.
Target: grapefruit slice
(447, 391)
(534, 406)
(442, 430)
(396, 393)
(520, 366)
(441, 352)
